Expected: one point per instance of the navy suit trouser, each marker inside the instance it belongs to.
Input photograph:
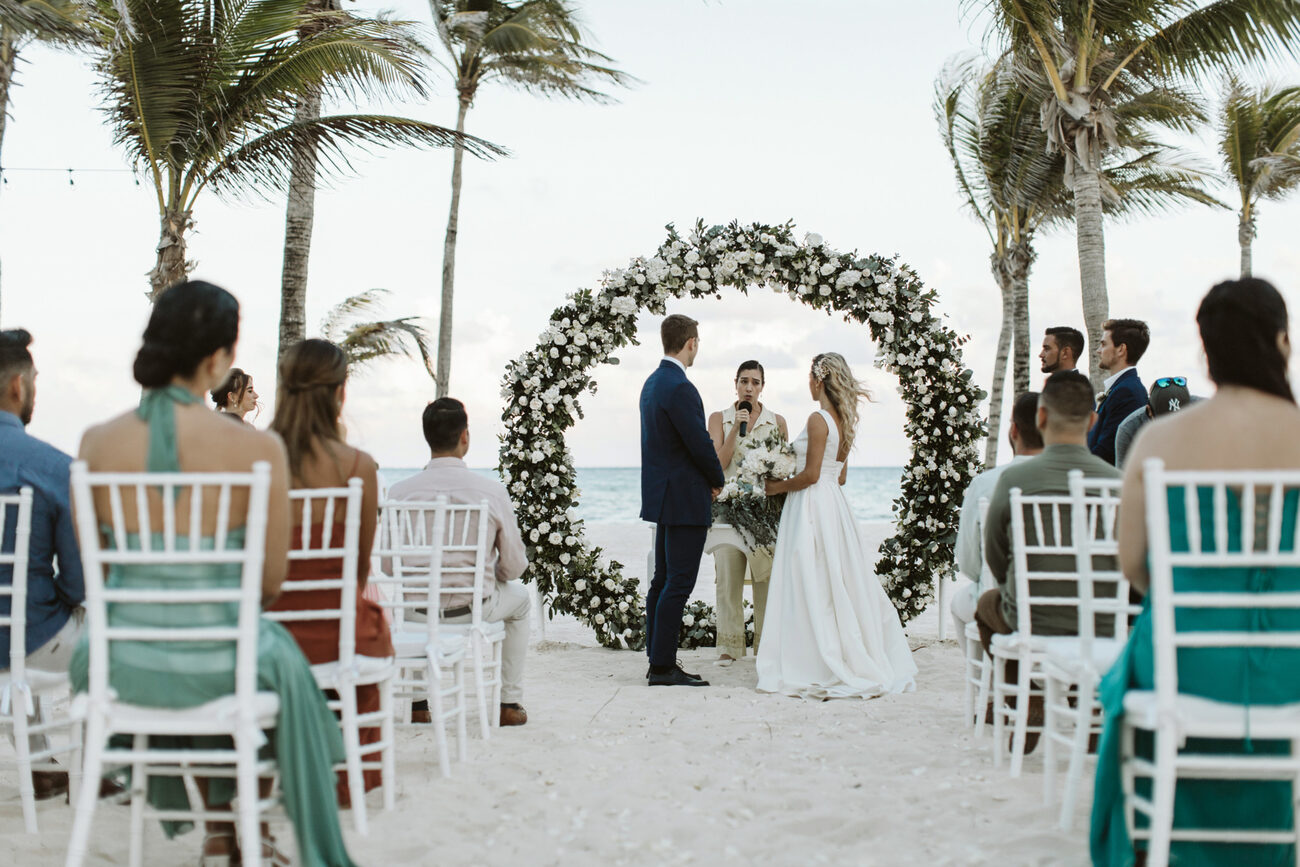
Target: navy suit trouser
(678, 551)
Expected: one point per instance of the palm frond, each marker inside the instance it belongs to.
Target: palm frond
(1224, 33)
(367, 341)
(57, 22)
(263, 165)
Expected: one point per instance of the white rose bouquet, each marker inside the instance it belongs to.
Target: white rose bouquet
(743, 503)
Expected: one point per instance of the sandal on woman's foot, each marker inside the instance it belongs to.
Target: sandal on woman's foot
(272, 856)
(228, 858)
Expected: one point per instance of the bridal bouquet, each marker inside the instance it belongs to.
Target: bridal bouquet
(743, 503)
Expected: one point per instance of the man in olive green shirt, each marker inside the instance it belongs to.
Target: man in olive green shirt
(1064, 416)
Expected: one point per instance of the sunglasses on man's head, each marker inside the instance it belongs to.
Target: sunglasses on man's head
(1166, 381)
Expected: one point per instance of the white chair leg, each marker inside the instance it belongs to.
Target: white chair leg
(498, 665)
(938, 595)
(462, 712)
(1128, 779)
(1051, 724)
(75, 761)
(480, 689)
(352, 754)
(1022, 718)
(387, 733)
(982, 701)
(437, 715)
(999, 709)
(22, 746)
(85, 813)
(139, 794)
(1162, 800)
(250, 834)
(1084, 705)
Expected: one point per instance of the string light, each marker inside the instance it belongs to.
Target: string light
(5, 170)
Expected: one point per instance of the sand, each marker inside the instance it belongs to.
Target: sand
(611, 772)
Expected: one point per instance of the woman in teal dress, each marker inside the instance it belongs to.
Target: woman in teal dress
(188, 347)
(1252, 422)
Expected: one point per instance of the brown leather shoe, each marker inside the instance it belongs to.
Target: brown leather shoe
(421, 716)
(513, 715)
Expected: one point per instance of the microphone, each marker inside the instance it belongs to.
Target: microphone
(748, 407)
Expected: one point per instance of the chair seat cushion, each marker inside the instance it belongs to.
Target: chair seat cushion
(39, 681)
(1206, 718)
(409, 644)
(217, 717)
(1064, 658)
(493, 630)
(365, 670)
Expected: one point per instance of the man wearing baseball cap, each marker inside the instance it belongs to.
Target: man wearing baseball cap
(1168, 394)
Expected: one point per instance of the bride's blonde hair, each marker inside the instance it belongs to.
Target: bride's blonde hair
(843, 389)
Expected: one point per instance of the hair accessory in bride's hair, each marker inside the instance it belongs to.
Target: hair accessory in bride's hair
(819, 370)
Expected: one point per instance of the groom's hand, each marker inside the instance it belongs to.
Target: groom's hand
(715, 492)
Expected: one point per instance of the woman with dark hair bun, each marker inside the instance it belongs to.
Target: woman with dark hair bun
(1251, 423)
(308, 401)
(236, 397)
(187, 350)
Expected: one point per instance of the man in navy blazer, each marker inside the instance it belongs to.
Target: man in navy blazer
(1123, 342)
(680, 476)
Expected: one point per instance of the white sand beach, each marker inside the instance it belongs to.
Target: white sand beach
(609, 772)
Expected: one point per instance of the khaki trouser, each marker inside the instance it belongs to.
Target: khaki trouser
(510, 603)
(54, 655)
(729, 565)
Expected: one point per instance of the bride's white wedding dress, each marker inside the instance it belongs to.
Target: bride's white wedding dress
(830, 631)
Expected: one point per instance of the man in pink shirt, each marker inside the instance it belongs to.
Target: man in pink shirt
(446, 429)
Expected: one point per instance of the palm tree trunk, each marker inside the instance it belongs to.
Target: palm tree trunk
(449, 258)
(171, 267)
(1091, 240)
(8, 57)
(1245, 237)
(299, 218)
(1020, 257)
(998, 386)
(300, 210)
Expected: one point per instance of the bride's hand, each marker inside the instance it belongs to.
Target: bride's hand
(768, 487)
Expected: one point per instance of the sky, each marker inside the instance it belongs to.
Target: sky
(758, 111)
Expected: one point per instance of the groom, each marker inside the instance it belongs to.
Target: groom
(680, 475)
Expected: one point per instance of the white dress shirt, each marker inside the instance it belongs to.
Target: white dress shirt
(970, 535)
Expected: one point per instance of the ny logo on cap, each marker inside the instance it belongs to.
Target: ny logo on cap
(1175, 404)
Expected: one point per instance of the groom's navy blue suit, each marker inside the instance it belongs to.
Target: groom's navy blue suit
(679, 469)
(1126, 395)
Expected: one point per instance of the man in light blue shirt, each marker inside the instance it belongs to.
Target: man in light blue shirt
(55, 589)
(1026, 442)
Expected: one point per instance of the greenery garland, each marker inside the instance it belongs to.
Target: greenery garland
(542, 387)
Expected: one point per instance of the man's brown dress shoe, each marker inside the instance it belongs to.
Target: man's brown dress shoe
(513, 715)
(49, 784)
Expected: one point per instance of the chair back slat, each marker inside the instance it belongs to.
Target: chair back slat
(347, 550)
(16, 507)
(169, 493)
(985, 581)
(1176, 597)
(1103, 590)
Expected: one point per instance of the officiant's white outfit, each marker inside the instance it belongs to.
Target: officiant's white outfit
(730, 564)
(830, 632)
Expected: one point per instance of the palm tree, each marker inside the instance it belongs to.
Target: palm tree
(532, 45)
(1015, 185)
(1260, 144)
(58, 22)
(202, 93)
(1097, 56)
(365, 340)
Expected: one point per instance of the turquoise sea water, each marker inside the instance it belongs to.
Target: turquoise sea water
(614, 493)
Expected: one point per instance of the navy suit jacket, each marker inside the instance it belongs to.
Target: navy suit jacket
(1127, 394)
(679, 467)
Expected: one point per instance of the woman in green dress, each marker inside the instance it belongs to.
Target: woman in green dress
(188, 348)
(1252, 422)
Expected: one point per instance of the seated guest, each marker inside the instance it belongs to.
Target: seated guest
(236, 397)
(1123, 343)
(1251, 422)
(308, 400)
(1062, 348)
(1169, 394)
(1026, 442)
(188, 346)
(55, 589)
(446, 430)
(1064, 416)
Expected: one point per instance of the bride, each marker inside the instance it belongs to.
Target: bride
(830, 631)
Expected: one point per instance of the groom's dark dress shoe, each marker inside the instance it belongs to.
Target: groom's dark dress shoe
(649, 671)
(676, 677)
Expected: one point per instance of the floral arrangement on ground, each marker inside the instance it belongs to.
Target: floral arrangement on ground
(542, 389)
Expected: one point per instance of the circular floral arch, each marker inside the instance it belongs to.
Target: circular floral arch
(542, 387)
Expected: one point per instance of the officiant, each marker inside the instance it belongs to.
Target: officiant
(742, 424)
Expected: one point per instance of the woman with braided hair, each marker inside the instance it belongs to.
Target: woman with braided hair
(831, 631)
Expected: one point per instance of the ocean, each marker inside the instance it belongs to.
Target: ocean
(613, 493)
